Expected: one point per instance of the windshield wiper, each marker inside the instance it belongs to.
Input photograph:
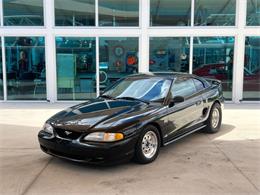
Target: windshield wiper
(107, 97)
(132, 98)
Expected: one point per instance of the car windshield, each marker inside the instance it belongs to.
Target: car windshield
(146, 89)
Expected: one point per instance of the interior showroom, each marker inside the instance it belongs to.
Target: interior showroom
(72, 50)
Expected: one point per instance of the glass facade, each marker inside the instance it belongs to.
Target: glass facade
(170, 12)
(118, 57)
(76, 68)
(169, 54)
(25, 68)
(118, 13)
(215, 13)
(253, 13)
(74, 12)
(213, 58)
(1, 74)
(23, 12)
(93, 43)
(251, 88)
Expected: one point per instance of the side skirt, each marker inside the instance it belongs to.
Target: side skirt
(183, 135)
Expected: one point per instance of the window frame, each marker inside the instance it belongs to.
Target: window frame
(24, 26)
(71, 26)
(123, 26)
(191, 18)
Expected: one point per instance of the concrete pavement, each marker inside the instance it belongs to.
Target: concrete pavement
(224, 163)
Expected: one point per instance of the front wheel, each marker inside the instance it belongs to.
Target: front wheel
(148, 145)
(214, 120)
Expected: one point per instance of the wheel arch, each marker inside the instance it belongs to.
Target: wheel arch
(155, 124)
(216, 102)
(211, 106)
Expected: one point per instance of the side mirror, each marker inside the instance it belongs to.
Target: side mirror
(176, 99)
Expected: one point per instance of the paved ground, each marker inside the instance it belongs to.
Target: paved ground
(224, 163)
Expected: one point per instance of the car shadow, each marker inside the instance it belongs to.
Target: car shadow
(197, 138)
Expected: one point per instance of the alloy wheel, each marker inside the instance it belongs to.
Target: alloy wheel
(215, 118)
(149, 144)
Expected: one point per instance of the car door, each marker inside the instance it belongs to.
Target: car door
(184, 114)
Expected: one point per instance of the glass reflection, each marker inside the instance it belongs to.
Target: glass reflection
(213, 58)
(118, 57)
(118, 13)
(215, 13)
(169, 54)
(253, 13)
(23, 12)
(75, 12)
(25, 68)
(170, 12)
(251, 89)
(76, 68)
(153, 89)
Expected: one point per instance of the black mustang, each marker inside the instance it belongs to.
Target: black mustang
(134, 117)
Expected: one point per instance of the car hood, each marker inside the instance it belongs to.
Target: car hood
(102, 115)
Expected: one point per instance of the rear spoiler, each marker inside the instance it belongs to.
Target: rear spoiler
(217, 84)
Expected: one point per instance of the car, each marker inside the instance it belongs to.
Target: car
(221, 72)
(134, 118)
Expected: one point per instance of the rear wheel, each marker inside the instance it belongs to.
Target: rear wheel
(214, 120)
(148, 145)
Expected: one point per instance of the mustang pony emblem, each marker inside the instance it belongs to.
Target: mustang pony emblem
(67, 132)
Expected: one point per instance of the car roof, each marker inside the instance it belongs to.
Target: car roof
(166, 75)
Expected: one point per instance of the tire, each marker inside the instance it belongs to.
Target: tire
(145, 153)
(214, 120)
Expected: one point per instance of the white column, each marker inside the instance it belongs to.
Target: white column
(1, 13)
(239, 51)
(50, 53)
(191, 55)
(96, 13)
(191, 37)
(144, 38)
(97, 66)
(192, 12)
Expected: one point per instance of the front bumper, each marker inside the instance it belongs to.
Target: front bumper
(93, 153)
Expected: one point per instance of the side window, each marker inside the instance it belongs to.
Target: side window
(183, 87)
(198, 84)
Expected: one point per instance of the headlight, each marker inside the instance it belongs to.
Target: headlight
(104, 137)
(48, 128)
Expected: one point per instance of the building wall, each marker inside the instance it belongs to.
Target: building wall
(61, 50)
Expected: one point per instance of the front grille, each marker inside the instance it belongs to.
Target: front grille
(67, 134)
